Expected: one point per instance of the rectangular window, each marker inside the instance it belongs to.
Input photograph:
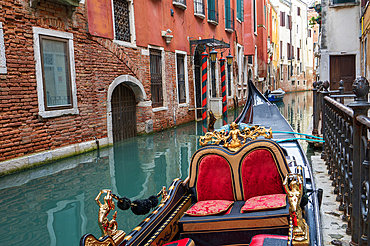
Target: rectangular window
(229, 16)
(199, 7)
(292, 52)
(240, 10)
(289, 22)
(181, 78)
(122, 20)
(254, 17)
(298, 11)
(343, 1)
(250, 59)
(2, 51)
(281, 49)
(309, 33)
(156, 78)
(282, 18)
(298, 54)
(213, 10)
(288, 50)
(55, 72)
(281, 71)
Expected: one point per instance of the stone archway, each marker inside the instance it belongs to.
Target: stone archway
(137, 88)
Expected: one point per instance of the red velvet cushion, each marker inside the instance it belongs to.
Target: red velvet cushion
(214, 179)
(258, 239)
(182, 242)
(264, 202)
(260, 175)
(210, 207)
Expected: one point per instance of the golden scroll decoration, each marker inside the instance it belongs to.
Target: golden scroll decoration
(235, 139)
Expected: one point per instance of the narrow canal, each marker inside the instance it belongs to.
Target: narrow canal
(54, 204)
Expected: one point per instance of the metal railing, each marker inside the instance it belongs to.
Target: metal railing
(345, 130)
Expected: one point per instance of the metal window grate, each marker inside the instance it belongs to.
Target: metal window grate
(250, 59)
(199, 7)
(156, 78)
(181, 78)
(122, 20)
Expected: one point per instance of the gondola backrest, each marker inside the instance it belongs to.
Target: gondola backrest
(258, 168)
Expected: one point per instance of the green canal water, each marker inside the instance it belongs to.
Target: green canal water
(54, 204)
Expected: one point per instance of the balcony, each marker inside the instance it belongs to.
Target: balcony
(180, 4)
(229, 19)
(199, 9)
(213, 12)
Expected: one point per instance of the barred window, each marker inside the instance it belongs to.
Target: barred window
(181, 78)
(122, 20)
(156, 78)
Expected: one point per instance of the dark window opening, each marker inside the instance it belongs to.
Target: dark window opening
(181, 78)
(156, 78)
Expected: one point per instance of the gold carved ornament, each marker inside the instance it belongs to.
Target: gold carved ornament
(235, 139)
(107, 227)
(294, 190)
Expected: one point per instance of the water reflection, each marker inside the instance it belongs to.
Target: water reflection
(54, 204)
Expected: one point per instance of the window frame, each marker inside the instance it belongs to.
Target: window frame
(44, 37)
(186, 80)
(54, 111)
(3, 69)
(132, 43)
(335, 2)
(240, 10)
(162, 75)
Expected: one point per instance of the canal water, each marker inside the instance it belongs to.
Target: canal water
(54, 204)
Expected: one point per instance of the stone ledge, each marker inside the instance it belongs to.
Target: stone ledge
(17, 164)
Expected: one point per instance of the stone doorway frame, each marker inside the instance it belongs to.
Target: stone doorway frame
(140, 96)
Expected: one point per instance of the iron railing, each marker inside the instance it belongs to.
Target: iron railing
(229, 18)
(346, 131)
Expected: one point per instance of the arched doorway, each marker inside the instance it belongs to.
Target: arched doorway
(123, 113)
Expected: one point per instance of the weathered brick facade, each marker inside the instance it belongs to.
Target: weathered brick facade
(98, 62)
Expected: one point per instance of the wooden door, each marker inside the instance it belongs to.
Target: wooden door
(342, 68)
(123, 113)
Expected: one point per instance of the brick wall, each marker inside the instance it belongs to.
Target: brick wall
(98, 62)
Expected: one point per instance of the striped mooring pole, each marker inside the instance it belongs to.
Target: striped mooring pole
(223, 87)
(204, 89)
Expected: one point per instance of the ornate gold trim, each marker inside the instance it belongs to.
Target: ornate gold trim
(235, 139)
(293, 185)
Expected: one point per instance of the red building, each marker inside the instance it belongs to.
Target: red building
(82, 73)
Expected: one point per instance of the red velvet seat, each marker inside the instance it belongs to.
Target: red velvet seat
(217, 173)
(269, 240)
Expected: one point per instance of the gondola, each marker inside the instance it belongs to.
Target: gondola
(249, 184)
(275, 96)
